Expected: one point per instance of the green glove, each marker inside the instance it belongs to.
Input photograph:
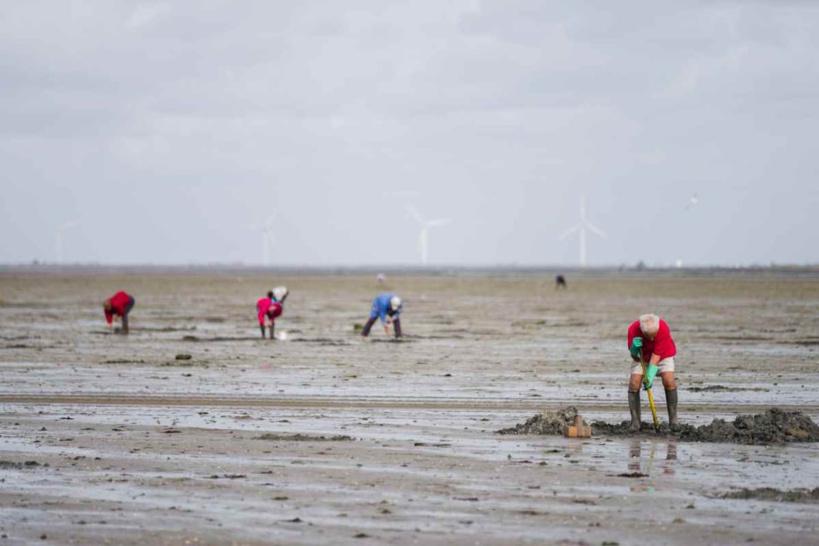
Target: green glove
(651, 373)
(636, 348)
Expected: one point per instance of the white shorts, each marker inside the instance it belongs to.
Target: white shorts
(665, 365)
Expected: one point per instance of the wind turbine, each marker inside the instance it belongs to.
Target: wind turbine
(58, 243)
(423, 237)
(268, 236)
(581, 231)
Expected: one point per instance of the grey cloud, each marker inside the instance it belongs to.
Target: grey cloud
(201, 118)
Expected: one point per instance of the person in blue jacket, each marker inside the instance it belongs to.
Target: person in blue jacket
(387, 307)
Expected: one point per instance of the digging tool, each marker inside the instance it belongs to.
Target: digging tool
(650, 396)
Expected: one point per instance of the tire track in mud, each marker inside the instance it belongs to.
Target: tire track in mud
(477, 404)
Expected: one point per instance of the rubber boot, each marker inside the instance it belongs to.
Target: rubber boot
(367, 327)
(634, 408)
(128, 307)
(397, 325)
(261, 327)
(671, 401)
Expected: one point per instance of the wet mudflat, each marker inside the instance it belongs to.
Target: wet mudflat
(328, 437)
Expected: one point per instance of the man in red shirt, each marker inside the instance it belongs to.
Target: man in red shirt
(650, 341)
(120, 304)
(267, 309)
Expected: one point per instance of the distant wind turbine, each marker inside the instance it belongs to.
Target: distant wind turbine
(581, 231)
(58, 242)
(268, 236)
(423, 237)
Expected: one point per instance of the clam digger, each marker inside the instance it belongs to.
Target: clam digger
(118, 305)
(387, 307)
(652, 349)
(271, 307)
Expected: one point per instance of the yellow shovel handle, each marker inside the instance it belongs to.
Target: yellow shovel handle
(653, 409)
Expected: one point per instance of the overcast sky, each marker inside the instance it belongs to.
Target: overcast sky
(171, 131)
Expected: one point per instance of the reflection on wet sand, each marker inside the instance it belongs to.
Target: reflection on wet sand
(642, 458)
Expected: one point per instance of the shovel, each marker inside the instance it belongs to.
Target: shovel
(650, 398)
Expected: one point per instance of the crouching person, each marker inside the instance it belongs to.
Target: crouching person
(387, 308)
(650, 342)
(119, 305)
(269, 308)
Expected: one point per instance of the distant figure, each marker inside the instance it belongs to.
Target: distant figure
(386, 307)
(271, 307)
(120, 304)
(650, 342)
(560, 282)
(381, 278)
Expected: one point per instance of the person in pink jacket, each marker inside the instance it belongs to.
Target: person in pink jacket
(269, 308)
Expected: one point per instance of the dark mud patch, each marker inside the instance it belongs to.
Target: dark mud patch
(323, 341)
(217, 339)
(123, 361)
(804, 342)
(14, 465)
(165, 329)
(742, 338)
(25, 304)
(568, 324)
(775, 495)
(774, 426)
(723, 388)
(183, 364)
(435, 336)
(274, 437)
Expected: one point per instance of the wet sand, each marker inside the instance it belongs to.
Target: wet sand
(330, 437)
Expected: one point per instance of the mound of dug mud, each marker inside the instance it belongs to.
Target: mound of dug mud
(775, 426)
(775, 495)
(551, 422)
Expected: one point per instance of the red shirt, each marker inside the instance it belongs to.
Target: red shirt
(269, 308)
(119, 302)
(662, 345)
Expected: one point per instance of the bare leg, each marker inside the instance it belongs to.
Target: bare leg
(635, 382)
(261, 327)
(272, 327)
